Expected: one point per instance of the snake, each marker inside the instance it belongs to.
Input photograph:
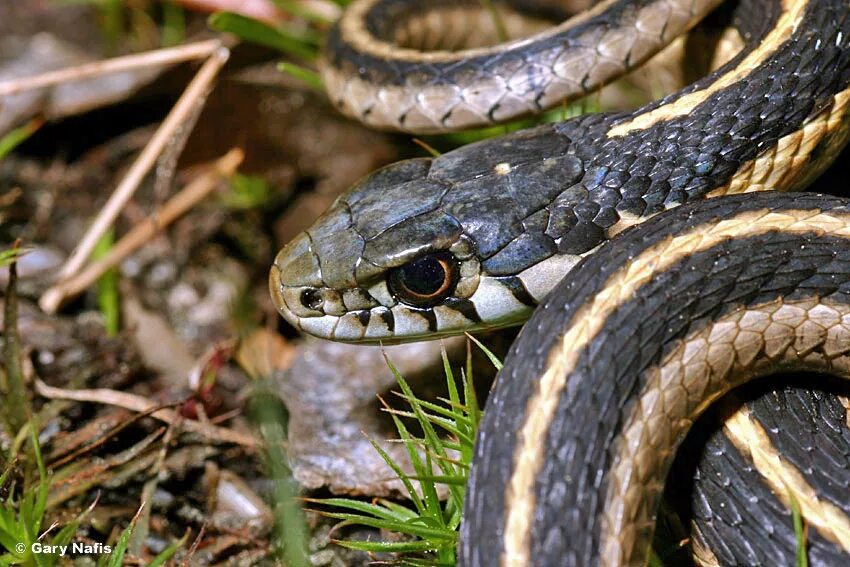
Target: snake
(656, 258)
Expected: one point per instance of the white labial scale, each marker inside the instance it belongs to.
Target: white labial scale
(349, 328)
(409, 323)
(319, 326)
(542, 277)
(378, 328)
(449, 319)
(495, 303)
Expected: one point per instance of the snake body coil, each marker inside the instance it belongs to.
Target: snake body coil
(643, 336)
(651, 327)
(382, 68)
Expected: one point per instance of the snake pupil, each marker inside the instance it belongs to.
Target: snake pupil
(424, 276)
(424, 281)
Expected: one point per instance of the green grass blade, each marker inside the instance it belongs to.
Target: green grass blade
(799, 532)
(497, 364)
(5, 476)
(410, 528)
(430, 500)
(168, 552)
(435, 522)
(447, 424)
(11, 254)
(116, 559)
(173, 24)
(375, 510)
(454, 396)
(18, 136)
(432, 439)
(402, 476)
(307, 76)
(289, 530)
(39, 505)
(108, 297)
(255, 31)
(402, 511)
(451, 411)
(418, 546)
(458, 480)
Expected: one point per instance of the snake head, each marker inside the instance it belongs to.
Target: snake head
(382, 264)
(386, 263)
(431, 247)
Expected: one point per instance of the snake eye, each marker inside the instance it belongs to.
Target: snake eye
(424, 281)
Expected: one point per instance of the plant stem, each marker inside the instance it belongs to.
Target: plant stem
(290, 530)
(16, 405)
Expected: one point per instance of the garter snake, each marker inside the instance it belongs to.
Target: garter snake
(636, 329)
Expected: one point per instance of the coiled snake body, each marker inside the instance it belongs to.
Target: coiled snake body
(633, 334)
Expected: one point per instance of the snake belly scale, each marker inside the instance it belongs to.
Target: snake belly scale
(636, 329)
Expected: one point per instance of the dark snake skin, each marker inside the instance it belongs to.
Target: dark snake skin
(568, 187)
(430, 66)
(808, 423)
(571, 486)
(510, 204)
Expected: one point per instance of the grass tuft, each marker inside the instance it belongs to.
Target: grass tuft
(440, 458)
(22, 518)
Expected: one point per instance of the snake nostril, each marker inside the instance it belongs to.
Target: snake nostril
(311, 299)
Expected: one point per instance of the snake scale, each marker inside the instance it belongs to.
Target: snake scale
(652, 281)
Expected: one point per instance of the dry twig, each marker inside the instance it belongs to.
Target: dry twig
(178, 205)
(142, 404)
(189, 52)
(185, 106)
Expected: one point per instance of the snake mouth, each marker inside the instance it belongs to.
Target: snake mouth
(277, 290)
(303, 306)
(340, 315)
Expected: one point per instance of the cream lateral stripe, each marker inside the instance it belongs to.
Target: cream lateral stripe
(353, 29)
(702, 555)
(792, 14)
(589, 321)
(751, 439)
(781, 165)
(729, 351)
